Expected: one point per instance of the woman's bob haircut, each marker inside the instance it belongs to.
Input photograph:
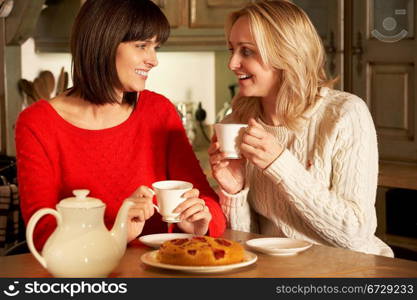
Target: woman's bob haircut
(286, 40)
(99, 28)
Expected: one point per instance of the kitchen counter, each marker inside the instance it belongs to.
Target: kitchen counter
(397, 175)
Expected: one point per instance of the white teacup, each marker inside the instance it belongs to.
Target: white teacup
(229, 137)
(169, 194)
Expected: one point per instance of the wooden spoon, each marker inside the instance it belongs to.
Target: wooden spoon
(27, 87)
(65, 80)
(61, 86)
(48, 81)
(40, 89)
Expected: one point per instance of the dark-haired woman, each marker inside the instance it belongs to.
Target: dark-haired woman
(107, 133)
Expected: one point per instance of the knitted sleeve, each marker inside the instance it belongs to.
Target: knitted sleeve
(37, 187)
(183, 165)
(342, 211)
(237, 209)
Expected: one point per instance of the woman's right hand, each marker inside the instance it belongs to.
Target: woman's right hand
(141, 211)
(229, 173)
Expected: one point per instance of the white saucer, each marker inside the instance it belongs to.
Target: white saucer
(150, 259)
(278, 246)
(155, 240)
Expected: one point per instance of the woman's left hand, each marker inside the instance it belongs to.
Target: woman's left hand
(258, 146)
(195, 215)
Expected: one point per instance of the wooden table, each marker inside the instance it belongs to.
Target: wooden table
(317, 261)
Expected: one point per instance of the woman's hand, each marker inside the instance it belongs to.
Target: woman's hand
(194, 214)
(258, 146)
(229, 173)
(141, 211)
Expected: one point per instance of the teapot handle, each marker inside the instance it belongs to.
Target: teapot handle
(31, 227)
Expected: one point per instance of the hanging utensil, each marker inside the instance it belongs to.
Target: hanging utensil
(26, 87)
(62, 83)
(65, 80)
(48, 80)
(41, 89)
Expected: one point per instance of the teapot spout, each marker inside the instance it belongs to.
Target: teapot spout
(119, 230)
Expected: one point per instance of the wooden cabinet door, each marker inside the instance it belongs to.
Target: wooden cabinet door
(327, 17)
(176, 11)
(384, 72)
(53, 29)
(3, 124)
(212, 13)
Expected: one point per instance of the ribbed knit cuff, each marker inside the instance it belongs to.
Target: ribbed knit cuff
(284, 165)
(228, 201)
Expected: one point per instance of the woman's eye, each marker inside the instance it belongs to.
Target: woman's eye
(246, 52)
(230, 50)
(141, 46)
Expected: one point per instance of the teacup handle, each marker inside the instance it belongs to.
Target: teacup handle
(154, 205)
(31, 227)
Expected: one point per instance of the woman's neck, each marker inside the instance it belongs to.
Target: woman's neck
(269, 115)
(86, 115)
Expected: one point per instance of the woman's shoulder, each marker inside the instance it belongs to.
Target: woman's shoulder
(36, 113)
(155, 103)
(343, 102)
(151, 97)
(344, 109)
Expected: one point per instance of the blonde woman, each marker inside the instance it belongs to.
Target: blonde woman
(310, 152)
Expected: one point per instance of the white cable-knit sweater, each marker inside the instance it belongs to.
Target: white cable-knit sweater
(322, 187)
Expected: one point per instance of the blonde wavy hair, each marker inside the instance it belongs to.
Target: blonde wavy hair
(287, 41)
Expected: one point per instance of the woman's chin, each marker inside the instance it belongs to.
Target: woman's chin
(134, 90)
(247, 94)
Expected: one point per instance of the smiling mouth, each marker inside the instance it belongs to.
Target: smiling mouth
(141, 73)
(244, 76)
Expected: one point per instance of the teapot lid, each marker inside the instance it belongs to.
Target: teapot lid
(80, 200)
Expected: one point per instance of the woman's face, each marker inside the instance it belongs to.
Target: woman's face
(255, 78)
(134, 60)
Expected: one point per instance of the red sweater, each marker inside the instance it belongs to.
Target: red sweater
(54, 157)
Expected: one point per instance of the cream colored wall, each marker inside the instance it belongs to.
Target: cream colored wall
(33, 63)
(180, 76)
(224, 77)
(186, 77)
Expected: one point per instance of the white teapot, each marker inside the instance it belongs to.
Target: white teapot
(81, 245)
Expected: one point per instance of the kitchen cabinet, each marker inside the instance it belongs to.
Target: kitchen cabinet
(328, 19)
(53, 30)
(15, 28)
(384, 59)
(196, 24)
(3, 123)
(371, 46)
(383, 72)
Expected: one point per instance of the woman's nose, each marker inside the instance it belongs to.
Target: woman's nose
(152, 59)
(234, 62)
